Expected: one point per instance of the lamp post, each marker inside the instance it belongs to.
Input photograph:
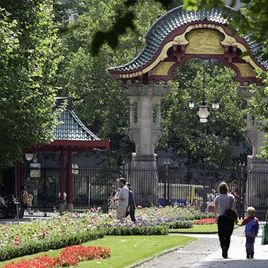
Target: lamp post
(75, 169)
(29, 156)
(241, 187)
(203, 109)
(166, 186)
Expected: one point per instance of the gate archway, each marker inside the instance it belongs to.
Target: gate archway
(173, 39)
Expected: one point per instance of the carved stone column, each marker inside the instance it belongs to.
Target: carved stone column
(257, 179)
(145, 130)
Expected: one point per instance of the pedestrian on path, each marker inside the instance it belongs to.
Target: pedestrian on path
(251, 231)
(223, 202)
(122, 199)
(131, 204)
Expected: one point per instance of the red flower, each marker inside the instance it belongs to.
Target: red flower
(205, 221)
(69, 256)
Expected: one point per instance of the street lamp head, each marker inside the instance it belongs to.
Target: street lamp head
(215, 106)
(203, 120)
(203, 113)
(29, 156)
(191, 104)
(75, 169)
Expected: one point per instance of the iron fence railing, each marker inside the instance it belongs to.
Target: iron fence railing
(188, 186)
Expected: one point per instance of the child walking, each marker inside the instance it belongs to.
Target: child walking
(251, 230)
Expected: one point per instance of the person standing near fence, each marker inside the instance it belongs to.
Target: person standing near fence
(122, 198)
(111, 202)
(223, 202)
(131, 204)
(30, 204)
(23, 201)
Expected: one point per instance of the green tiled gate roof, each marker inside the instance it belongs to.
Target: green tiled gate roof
(176, 18)
(72, 128)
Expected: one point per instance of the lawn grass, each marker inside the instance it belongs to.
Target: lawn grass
(126, 250)
(197, 228)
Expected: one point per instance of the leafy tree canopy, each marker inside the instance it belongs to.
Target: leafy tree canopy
(28, 64)
(98, 99)
(191, 140)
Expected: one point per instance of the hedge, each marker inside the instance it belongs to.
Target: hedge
(180, 224)
(10, 252)
(138, 230)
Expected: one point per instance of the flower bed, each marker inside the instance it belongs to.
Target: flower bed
(53, 233)
(69, 256)
(205, 221)
(170, 214)
(71, 229)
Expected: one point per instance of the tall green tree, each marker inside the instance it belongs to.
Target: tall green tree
(28, 64)
(203, 143)
(98, 99)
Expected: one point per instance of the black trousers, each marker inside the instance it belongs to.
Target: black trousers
(132, 215)
(225, 230)
(23, 207)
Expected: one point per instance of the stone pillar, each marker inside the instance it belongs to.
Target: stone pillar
(145, 130)
(62, 197)
(257, 178)
(70, 188)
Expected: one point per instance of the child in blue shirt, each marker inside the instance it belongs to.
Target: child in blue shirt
(251, 230)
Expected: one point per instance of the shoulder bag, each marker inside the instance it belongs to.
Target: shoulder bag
(231, 214)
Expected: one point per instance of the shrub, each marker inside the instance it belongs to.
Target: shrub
(180, 225)
(10, 252)
(137, 230)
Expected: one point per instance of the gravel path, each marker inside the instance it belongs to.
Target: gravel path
(187, 256)
(206, 253)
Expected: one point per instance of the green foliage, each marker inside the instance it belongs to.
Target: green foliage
(10, 252)
(138, 230)
(191, 140)
(251, 19)
(29, 58)
(98, 99)
(124, 19)
(180, 225)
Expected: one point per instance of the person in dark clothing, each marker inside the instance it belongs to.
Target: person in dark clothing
(3, 206)
(223, 202)
(23, 201)
(131, 204)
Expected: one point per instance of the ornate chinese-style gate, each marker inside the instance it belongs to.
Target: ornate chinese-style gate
(172, 40)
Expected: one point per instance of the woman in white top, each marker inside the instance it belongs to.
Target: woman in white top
(223, 202)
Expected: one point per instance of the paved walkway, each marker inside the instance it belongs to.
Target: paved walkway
(205, 253)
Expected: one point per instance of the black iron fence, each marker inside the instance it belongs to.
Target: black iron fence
(188, 186)
(256, 193)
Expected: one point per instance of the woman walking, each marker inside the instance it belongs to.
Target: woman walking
(223, 202)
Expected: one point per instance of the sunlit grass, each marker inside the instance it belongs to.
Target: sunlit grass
(125, 250)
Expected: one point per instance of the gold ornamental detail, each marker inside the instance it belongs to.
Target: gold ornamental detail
(162, 68)
(204, 41)
(245, 70)
(207, 39)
